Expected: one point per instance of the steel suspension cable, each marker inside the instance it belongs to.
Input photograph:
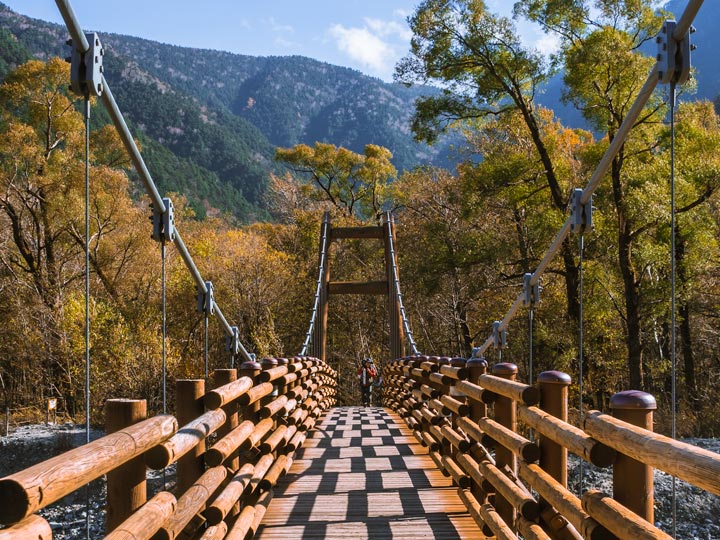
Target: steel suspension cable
(318, 287)
(207, 363)
(163, 295)
(581, 348)
(396, 280)
(87, 301)
(673, 321)
(531, 315)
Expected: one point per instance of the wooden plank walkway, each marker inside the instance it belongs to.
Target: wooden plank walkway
(362, 475)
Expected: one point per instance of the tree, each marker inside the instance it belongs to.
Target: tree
(485, 72)
(604, 72)
(353, 183)
(42, 245)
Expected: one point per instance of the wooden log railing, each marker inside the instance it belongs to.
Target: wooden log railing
(501, 441)
(255, 422)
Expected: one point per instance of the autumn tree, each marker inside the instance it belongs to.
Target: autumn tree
(353, 183)
(42, 161)
(476, 57)
(604, 72)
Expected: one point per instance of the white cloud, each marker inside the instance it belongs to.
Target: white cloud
(402, 13)
(286, 43)
(376, 46)
(364, 47)
(278, 27)
(389, 28)
(547, 44)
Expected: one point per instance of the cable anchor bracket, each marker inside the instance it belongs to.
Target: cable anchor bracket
(531, 293)
(673, 56)
(232, 341)
(581, 215)
(163, 222)
(499, 337)
(86, 69)
(206, 300)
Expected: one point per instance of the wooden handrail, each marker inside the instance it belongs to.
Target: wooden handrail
(690, 463)
(147, 520)
(31, 527)
(191, 502)
(186, 438)
(623, 523)
(25, 492)
(218, 397)
(574, 439)
(564, 501)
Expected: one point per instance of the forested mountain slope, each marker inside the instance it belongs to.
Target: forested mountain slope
(212, 119)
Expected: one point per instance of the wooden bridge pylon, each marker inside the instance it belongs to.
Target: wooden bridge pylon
(388, 286)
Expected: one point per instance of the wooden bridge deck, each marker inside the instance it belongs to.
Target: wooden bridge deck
(362, 475)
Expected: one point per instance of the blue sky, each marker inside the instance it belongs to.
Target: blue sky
(367, 35)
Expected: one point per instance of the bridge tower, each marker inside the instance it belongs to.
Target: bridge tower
(387, 287)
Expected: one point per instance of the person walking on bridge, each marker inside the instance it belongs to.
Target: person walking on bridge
(366, 376)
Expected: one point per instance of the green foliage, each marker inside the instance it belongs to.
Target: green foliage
(475, 56)
(354, 184)
(12, 52)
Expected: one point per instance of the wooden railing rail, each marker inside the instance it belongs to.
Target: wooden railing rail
(256, 421)
(468, 419)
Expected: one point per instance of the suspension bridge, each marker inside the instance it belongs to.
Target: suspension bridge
(459, 449)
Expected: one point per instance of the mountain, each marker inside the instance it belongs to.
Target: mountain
(209, 121)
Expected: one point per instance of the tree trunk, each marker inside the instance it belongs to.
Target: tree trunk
(630, 281)
(684, 315)
(559, 201)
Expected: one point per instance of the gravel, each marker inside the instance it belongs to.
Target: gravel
(698, 512)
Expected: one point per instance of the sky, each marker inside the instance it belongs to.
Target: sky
(368, 35)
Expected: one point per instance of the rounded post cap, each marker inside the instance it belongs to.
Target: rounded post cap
(633, 399)
(458, 361)
(250, 364)
(504, 368)
(282, 361)
(268, 363)
(477, 362)
(443, 360)
(554, 377)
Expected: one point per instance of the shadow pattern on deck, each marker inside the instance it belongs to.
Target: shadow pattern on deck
(362, 475)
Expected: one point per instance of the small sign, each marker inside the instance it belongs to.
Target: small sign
(52, 404)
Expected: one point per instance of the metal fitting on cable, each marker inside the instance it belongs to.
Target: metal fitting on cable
(206, 300)
(232, 341)
(531, 293)
(163, 222)
(86, 69)
(499, 336)
(673, 55)
(581, 215)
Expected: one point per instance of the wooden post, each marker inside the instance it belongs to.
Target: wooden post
(320, 329)
(554, 400)
(476, 367)
(505, 415)
(250, 369)
(633, 480)
(268, 364)
(282, 388)
(126, 485)
(188, 406)
(220, 378)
